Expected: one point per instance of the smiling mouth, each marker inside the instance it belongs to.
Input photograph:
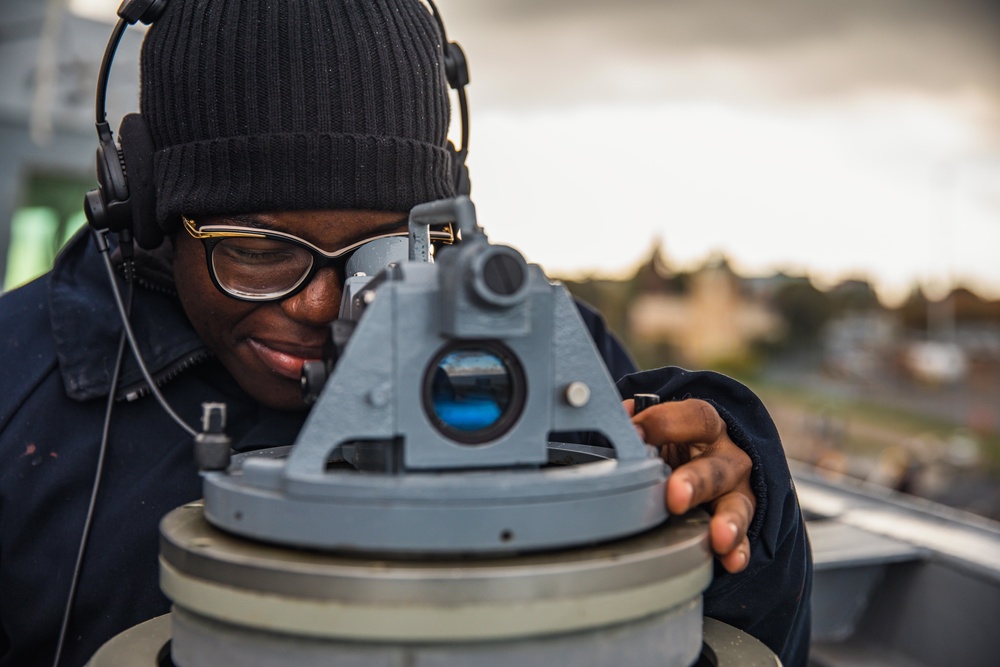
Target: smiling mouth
(286, 362)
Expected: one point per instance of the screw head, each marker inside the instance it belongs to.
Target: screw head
(577, 394)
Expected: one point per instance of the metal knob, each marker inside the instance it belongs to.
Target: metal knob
(643, 401)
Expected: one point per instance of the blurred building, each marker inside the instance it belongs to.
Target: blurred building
(710, 316)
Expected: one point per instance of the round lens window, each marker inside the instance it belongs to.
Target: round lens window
(473, 392)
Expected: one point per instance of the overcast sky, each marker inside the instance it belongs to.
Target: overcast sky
(835, 137)
(579, 50)
(838, 137)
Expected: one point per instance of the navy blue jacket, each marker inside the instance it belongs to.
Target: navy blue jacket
(58, 340)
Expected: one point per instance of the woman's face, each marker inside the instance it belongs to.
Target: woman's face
(263, 345)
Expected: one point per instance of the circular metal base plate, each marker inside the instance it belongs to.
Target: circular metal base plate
(148, 645)
(144, 645)
(669, 639)
(588, 498)
(213, 574)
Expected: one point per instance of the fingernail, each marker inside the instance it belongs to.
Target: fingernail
(743, 559)
(732, 529)
(689, 489)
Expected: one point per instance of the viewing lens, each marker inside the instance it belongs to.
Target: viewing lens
(474, 394)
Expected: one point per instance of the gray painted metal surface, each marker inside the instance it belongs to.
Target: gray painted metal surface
(635, 601)
(209, 643)
(669, 639)
(209, 572)
(899, 582)
(420, 485)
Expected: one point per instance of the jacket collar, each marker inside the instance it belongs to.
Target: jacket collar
(86, 326)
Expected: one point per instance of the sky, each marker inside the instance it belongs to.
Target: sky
(833, 138)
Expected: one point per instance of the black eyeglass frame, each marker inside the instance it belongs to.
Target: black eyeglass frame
(212, 235)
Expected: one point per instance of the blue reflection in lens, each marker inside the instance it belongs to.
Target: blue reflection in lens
(471, 390)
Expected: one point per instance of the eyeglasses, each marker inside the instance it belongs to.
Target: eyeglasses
(253, 264)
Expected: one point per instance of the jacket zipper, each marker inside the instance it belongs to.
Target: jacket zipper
(139, 389)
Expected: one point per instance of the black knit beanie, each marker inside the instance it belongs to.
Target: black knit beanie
(271, 105)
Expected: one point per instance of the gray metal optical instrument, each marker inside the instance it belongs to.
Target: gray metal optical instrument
(437, 430)
(449, 520)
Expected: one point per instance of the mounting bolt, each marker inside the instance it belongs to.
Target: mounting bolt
(379, 396)
(577, 394)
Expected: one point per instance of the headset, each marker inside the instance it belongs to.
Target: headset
(124, 203)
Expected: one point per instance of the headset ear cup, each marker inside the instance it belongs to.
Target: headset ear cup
(137, 151)
(459, 172)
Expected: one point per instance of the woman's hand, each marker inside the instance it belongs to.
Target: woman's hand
(709, 469)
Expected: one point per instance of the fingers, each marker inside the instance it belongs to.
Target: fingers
(728, 528)
(736, 560)
(709, 469)
(732, 510)
(679, 422)
(680, 494)
(720, 469)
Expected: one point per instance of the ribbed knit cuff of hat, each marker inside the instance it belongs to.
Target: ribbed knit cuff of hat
(299, 171)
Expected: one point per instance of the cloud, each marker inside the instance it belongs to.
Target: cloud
(556, 52)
